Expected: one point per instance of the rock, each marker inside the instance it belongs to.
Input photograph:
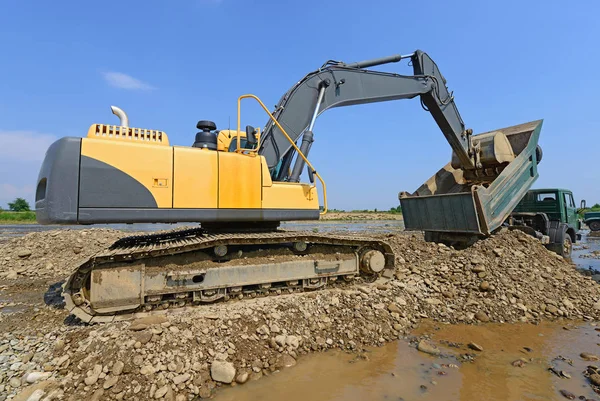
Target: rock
(36, 376)
(292, 341)
(519, 363)
(478, 269)
(152, 320)
(498, 252)
(177, 380)
(138, 326)
(59, 345)
(434, 301)
(280, 340)
(551, 309)
(595, 379)
(161, 392)
(242, 378)
(36, 395)
(147, 370)
(484, 286)
(143, 336)
(97, 396)
(588, 357)
(117, 368)
(475, 347)
(23, 253)
(285, 361)
(392, 307)
(205, 392)
(482, 317)
(15, 382)
(93, 375)
(222, 371)
(567, 394)
(597, 306)
(428, 348)
(568, 304)
(110, 381)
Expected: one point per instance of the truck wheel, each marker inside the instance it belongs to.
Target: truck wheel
(567, 247)
(595, 225)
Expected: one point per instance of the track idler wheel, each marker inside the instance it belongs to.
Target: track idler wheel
(372, 262)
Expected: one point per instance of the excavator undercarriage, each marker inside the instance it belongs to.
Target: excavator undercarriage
(153, 273)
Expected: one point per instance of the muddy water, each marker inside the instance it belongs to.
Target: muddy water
(398, 371)
(587, 245)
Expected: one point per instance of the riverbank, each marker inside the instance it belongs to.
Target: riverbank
(508, 278)
(361, 216)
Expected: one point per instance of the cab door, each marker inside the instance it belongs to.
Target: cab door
(570, 209)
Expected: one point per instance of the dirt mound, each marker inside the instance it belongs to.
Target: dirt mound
(505, 278)
(52, 253)
(509, 277)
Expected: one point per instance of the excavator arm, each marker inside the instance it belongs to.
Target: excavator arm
(337, 84)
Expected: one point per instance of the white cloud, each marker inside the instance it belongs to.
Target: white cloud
(24, 146)
(124, 81)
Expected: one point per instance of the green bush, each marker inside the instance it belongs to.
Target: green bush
(19, 205)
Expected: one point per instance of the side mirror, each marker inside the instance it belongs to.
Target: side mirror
(582, 204)
(251, 135)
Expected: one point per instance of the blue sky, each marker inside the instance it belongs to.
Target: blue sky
(170, 64)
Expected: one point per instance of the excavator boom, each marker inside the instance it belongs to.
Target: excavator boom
(352, 84)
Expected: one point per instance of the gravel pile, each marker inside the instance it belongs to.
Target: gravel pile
(52, 253)
(188, 355)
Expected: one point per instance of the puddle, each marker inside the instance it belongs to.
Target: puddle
(399, 372)
(587, 265)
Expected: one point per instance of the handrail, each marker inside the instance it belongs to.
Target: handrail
(287, 137)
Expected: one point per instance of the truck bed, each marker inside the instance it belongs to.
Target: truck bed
(454, 201)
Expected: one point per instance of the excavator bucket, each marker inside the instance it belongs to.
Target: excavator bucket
(477, 202)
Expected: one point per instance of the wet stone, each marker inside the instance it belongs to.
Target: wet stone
(428, 347)
(482, 317)
(475, 347)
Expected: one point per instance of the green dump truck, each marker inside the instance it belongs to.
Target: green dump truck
(549, 214)
(592, 220)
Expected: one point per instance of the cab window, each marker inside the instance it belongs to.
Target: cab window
(233, 144)
(546, 197)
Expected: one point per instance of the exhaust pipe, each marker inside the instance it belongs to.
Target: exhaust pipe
(124, 120)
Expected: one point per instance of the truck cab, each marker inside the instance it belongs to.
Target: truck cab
(551, 213)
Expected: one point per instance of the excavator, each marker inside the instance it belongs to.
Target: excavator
(241, 184)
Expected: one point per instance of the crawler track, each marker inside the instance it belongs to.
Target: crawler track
(142, 275)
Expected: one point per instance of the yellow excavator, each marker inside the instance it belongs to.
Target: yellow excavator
(241, 184)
